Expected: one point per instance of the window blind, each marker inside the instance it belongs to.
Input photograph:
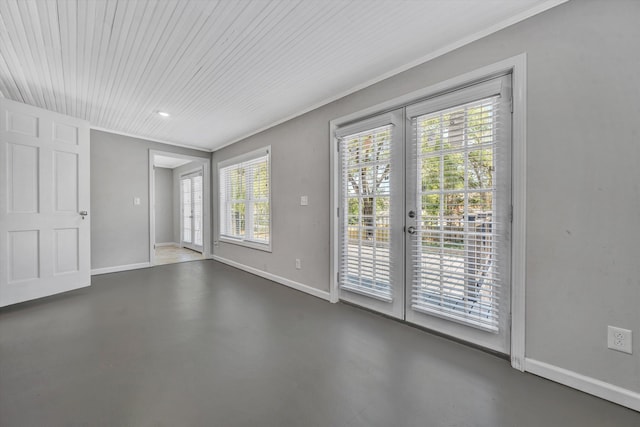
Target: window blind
(197, 210)
(366, 264)
(456, 255)
(186, 210)
(245, 212)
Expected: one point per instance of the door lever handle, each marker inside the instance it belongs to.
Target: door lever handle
(83, 214)
(411, 230)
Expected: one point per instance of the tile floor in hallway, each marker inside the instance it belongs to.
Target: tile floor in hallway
(173, 254)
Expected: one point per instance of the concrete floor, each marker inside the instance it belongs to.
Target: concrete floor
(204, 344)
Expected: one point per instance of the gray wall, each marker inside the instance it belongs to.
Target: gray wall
(583, 180)
(120, 172)
(165, 209)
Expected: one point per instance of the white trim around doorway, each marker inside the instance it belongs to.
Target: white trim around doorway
(206, 216)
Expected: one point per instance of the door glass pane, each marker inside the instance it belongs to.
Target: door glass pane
(366, 184)
(197, 210)
(454, 249)
(186, 210)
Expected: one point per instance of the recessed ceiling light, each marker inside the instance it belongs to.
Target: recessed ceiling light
(163, 114)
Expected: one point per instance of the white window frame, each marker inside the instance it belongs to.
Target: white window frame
(223, 205)
(517, 66)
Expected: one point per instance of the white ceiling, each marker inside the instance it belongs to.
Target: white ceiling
(168, 162)
(222, 69)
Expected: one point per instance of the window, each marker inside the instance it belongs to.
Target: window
(245, 199)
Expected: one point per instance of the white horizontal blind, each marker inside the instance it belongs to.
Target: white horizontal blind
(245, 189)
(186, 210)
(366, 263)
(259, 198)
(197, 209)
(455, 250)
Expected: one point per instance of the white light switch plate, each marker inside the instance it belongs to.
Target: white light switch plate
(304, 200)
(136, 201)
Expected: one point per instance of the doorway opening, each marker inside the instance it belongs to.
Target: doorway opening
(179, 213)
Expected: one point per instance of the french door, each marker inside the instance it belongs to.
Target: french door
(372, 209)
(425, 213)
(191, 210)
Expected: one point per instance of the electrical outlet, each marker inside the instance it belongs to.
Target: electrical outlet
(136, 201)
(298, 264)
(619, 339)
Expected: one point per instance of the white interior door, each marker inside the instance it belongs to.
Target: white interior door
(191, 187)
(44, 199)
(425, 213)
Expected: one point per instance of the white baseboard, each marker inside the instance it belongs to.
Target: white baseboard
(613, 393)
(117, 268)
(168, 244)
(278, 279)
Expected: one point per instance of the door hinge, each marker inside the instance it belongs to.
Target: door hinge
(338, 277)
(338, 211)
(511, 214)
(511, 104)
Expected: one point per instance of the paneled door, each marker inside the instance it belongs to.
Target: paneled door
(424, 213)
(44, 203)
(191, 210)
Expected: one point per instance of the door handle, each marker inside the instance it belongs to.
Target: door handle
(83, 214)
(411, 230)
